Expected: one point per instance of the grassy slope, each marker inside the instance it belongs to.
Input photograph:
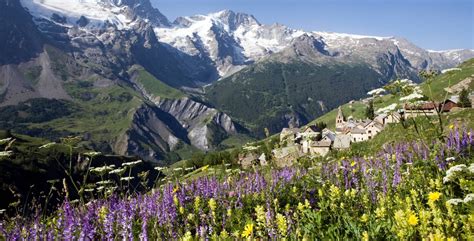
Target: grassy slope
(395, 133)
(154, 86)
(437, 88)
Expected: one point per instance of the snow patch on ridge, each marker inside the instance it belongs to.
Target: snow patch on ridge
(98, 12)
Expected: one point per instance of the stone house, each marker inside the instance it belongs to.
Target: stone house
(320, 148)
(341, 142)
(425, 108)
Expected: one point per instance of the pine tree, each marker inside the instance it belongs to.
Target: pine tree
(369, 111)
(464, 99)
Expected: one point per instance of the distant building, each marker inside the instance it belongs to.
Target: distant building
(422, 109)
(342, 142)
(320, 148)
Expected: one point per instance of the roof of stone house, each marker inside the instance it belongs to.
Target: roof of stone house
(358, 131)
(329, 135)
(312, 128)
(454, 99)
(321, 144)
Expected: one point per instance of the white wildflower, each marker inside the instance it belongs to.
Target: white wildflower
(160, 168)
(2, 211)
(118, 171)
(189, 169)
(6, 153)
(178, 169)
(100, 188)
(469, 198)
(48, 145)
(454, 201)
(131, 164)
(92, 153)
(3, 141)
(453, 171)
(103, 169)
(89, 190)
(126, 178)
(102, 183)
(471, 168)
(450, 159)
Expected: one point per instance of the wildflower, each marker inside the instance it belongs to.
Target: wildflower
(248, 230)
(160, 168)
(469, 198)
(451, 126)
(204, 167)
(281, 224)
(224, 234)
(197, 203)
(5, 153)
(380, 212)
(103, 183)
(364, 218)
(453, 171)
(454, 201)
(181, 210)
(187, 236)
(365, 236)
(103, 169)
(118, 171)
(92, 154)
(229, 212)
(433, 196)
(212, 204)
(260, 213)
(471, 168)
(412, 220)
(127, 179)
(131, 164)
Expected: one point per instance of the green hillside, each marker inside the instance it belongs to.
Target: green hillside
(437, 86)
(268, 94)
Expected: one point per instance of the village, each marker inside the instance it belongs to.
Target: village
(312, 140)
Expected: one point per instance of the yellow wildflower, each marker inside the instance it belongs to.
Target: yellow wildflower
(248, 230)
(451, 239)
(103, 213)
(353, 163)
(281, 224)
(204, 167)
(451, 126)
(224, 234)
(364, 218)
(434, 196)
(181, 210)
(365, 236)
(212, 204)
(197, 203)
(300, 207)
(260, 213)
(229, 212)
(380, 212)
(412, 220)
(187, 236)
(175, 200)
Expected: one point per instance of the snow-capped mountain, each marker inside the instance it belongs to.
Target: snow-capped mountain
(233, 40)
(95, 13)
(230, 40)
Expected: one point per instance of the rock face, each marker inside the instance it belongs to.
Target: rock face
(205, 126)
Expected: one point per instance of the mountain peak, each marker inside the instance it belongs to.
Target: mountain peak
(234, 20)
(119, 12)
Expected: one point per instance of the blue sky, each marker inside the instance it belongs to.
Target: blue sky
(431, 24)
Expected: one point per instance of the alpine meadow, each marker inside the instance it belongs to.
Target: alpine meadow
(117, 123)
